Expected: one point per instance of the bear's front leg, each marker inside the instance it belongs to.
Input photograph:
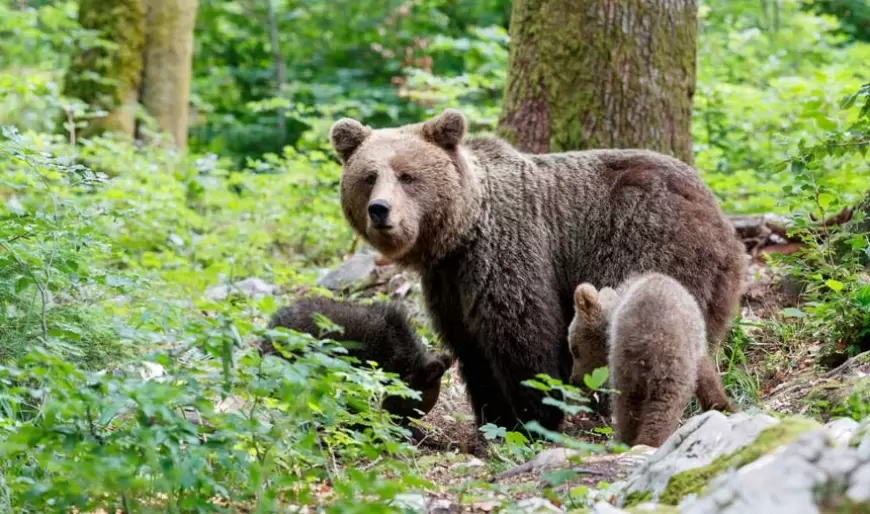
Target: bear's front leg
(517, 351)
(484, 392)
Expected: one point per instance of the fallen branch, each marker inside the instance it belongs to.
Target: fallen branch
(762, 231)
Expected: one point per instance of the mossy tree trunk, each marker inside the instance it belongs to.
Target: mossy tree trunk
(167, 65)
(601, 74)
(107, 77)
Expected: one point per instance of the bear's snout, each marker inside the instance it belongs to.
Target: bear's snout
(379, 213)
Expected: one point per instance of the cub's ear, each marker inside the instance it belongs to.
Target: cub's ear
(446, 130)
(346, 135)
(585, 298)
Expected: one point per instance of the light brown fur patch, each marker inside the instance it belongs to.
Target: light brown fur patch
(652, 333)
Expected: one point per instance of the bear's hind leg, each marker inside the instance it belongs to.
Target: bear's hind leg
(709, 388)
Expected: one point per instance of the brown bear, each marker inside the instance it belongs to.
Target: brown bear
(502, 238)
(652, 333)
(378, 332)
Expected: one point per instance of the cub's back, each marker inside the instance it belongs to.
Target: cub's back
(657, 317)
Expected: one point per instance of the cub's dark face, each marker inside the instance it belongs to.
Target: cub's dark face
(426, 380)
(398, 185)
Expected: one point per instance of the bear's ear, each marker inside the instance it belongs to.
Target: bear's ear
(346, 135)
(446, 130)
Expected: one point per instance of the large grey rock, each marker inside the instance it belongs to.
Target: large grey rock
(697, 443)
(806, 476)
(754, 463)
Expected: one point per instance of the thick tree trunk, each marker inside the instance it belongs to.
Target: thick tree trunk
(601, 74)
(107, 78)
(168, 55)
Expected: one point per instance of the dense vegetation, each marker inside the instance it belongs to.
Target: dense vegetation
(107, 247)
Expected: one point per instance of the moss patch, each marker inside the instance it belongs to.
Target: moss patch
(693, 481)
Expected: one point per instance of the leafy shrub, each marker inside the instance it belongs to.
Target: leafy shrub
(833, 265)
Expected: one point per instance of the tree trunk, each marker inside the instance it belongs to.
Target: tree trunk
(601, 74)
(168, 59)
(280, 72)
(107, 78)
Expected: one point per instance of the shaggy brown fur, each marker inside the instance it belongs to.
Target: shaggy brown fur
(652, 332)
(382, 334)
(502, 238)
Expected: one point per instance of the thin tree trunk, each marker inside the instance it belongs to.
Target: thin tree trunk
(280, 72)
(601, 74)
(168, 60)
(108, 78)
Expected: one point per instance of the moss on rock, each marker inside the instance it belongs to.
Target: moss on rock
(693, 481)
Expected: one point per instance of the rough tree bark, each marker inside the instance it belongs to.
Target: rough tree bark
(601, 74)
(108, 78)
(167, 67)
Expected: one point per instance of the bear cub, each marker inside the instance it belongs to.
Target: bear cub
(380, 333)
(651, 333)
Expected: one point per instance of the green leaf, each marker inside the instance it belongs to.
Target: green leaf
(835, 285)
(597, 378)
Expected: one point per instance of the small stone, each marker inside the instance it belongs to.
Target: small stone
(151, 370)
(412, 501)
(606, 508)
(475, 463)
(537, 505)
(251, 287)
(358, 268)
(440, 506)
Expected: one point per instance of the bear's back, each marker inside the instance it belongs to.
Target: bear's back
(598, 215)
(381, 330)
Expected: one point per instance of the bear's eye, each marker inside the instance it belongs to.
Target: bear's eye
(406, 179)
(371, 178)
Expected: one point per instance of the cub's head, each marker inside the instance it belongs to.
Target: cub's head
(427, 380)
(402, 188)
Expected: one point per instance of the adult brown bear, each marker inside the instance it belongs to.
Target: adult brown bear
(502, 238)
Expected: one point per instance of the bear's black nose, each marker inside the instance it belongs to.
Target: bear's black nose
(379, 211)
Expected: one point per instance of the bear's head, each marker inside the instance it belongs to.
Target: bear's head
(404, 189)
(426, 379)
(592, 312)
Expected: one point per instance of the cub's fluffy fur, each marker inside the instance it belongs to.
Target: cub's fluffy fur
(382, 334)
(651, 333)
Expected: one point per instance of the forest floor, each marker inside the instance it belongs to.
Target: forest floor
(767, 366)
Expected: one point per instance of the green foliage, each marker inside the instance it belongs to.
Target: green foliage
(764, 86)
(107, 248)
(833, 264)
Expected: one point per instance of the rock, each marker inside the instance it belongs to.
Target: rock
(753, 463)
(534, 505)
(547, 459)
(150, 370)
(411, 501)
(440, 506)
(359, 268)
(810, 475)
(697, 443)
(250, 287)
(606, 508)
